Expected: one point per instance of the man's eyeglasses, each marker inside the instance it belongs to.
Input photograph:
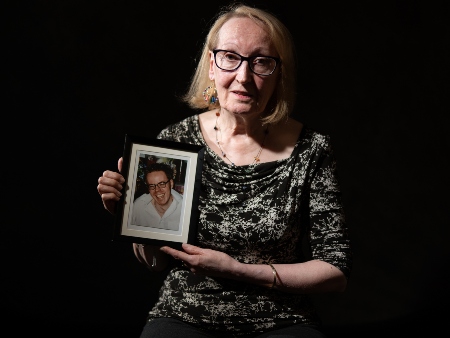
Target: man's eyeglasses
(260, 65)
(160, 184)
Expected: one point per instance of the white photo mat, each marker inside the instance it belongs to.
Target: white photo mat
(190, 158)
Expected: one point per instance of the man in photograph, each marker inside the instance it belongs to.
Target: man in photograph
(161, 206)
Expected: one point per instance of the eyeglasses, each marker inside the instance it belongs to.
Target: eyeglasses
(160, 184)
(260, 65)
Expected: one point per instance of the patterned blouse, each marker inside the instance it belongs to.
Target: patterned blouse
(285, 211)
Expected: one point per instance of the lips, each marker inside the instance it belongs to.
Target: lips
(242, 94)
(159, 196)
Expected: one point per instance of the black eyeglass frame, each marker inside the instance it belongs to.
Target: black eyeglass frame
(248, 59)
(153, 186)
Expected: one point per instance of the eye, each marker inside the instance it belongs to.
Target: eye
(262, 61)
(231, 57)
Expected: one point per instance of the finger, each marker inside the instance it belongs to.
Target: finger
(168, 250)
(110, 196)
(119, 164)
(177, 254)
(108, 192)
(105, 182)
(113, 176)
(192, 249)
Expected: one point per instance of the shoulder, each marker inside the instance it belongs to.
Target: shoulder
(286, 132)
(208, 118)
(144, 199)
(316, 138)
(181, 131)
(177, 195)
(282, 138)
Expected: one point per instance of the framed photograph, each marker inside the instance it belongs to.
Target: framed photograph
(159, 202)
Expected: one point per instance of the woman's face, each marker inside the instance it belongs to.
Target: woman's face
(241, 91)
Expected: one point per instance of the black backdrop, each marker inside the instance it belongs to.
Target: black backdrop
(81, 74)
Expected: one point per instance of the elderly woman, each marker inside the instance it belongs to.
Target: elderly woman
(272, 227)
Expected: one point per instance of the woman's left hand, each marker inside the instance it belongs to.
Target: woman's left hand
(204, 261)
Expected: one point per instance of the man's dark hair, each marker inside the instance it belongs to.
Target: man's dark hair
(158, 167)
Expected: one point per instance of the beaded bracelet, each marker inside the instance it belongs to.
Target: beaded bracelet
(274, 284)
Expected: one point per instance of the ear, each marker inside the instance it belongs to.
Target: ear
(211, 66)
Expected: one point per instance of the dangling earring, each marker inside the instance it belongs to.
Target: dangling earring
(210, 95)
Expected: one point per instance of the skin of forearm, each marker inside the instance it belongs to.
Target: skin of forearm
(309, 277)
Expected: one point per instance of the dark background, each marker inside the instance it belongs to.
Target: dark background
(81, 74)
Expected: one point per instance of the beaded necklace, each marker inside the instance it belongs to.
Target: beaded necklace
(224, 155)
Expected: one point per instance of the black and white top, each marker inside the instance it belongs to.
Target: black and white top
(284, 211)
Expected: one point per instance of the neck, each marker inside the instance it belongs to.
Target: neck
(258, 137)
(232, 125)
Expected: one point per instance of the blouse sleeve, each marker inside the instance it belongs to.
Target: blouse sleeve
(329, 236)
(167, 134)
(178, 132)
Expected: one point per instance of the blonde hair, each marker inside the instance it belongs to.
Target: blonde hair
(281, 103)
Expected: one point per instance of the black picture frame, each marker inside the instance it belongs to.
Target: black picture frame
(186, 160)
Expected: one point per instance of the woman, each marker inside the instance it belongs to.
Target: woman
(268, 187)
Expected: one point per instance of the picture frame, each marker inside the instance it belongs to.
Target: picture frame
(141, 217)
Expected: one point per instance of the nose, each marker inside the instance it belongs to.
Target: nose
(244, 73)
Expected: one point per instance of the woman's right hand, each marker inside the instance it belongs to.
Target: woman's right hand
(109, 187)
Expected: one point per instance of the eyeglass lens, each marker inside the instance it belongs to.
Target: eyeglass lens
(262, 65)
(160, 184)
